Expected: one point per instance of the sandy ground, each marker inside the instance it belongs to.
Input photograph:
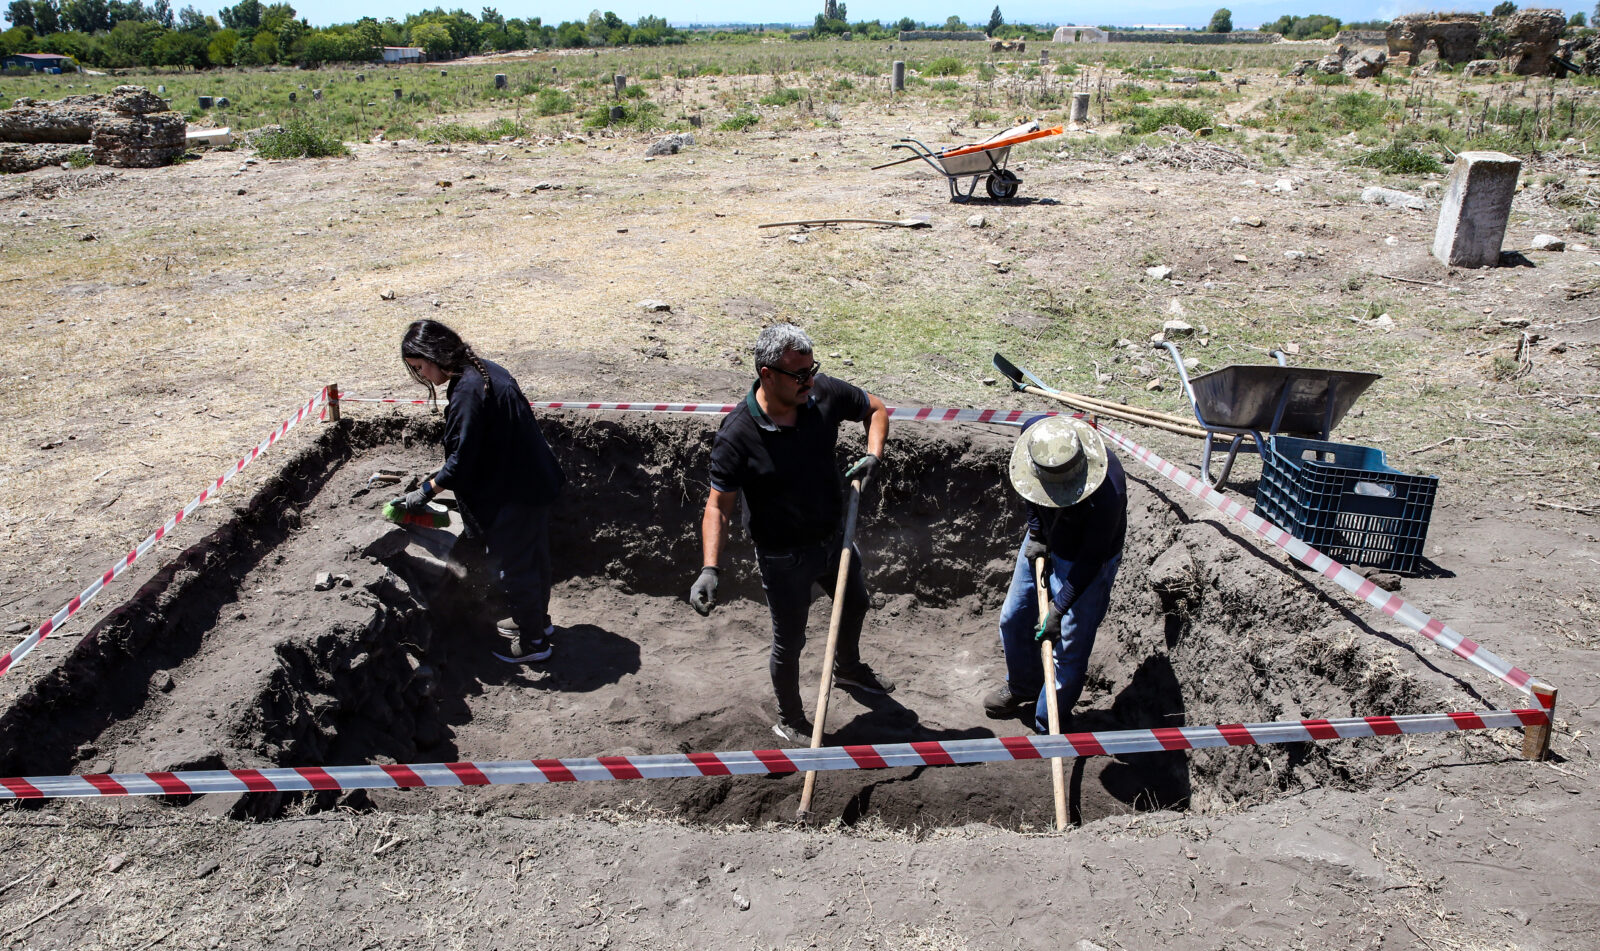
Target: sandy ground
(216, 295)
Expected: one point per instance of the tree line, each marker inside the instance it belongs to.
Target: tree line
(125, 33)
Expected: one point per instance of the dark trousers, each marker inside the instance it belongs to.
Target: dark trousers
(787, 577)
(518, 546)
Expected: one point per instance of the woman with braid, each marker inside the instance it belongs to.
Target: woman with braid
(501, 470)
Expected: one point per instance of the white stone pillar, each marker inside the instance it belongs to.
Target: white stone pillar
(1476, 205)
(899, 82)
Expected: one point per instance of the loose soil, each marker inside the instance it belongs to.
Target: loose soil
(148, 357)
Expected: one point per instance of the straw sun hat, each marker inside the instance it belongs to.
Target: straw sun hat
(1058, 462)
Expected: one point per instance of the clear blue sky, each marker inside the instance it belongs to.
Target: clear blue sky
(1245, 15)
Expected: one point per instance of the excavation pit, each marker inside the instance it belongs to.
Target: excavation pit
(233, 656)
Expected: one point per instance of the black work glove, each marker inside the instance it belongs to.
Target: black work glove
(1033, 548)
(703, 596)
(1050, 629)
(863, 469)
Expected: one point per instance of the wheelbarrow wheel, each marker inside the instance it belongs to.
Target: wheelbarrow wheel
(1002, 185)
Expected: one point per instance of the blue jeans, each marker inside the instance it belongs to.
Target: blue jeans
(787, 577)
(1019, 619)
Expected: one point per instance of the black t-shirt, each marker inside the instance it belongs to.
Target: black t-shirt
(790, 480)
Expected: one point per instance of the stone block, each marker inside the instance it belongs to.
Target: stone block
(1475, 208)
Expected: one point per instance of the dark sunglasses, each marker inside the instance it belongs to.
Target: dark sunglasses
(801, 377)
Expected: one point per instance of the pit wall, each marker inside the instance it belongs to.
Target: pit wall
(1204, 627)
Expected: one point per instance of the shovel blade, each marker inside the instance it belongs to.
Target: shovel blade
(1018, 376)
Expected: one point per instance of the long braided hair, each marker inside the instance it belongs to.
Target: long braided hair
(432, 341)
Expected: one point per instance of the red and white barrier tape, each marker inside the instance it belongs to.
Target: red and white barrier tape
(10, 657)
(1391, 605)
(915, 414)
(754, 762)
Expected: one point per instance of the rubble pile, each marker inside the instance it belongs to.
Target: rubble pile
(130, 127)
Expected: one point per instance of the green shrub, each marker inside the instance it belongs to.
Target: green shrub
(642, 115)
(1586, 223)
(738, 123)
(945, 85)
(1325, 79)
(1399, 158)
(82, 159)
(782, 97)
(1133, 92)
(551, 102)
(651, 74)
(1067, 69)
(944, 66)
(711, 69)
(461, 132)
(841, 85)
(634, 92)
(300, 139)
(1146, 120)
(986, 71)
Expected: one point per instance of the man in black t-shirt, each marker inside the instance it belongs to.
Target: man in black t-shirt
(777, 450)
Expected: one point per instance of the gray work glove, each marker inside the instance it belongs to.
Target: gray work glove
(703, 596)
(417, 499)
(1033, 548)
(863, 469)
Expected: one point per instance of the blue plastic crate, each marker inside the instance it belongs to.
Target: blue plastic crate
(1345, 501)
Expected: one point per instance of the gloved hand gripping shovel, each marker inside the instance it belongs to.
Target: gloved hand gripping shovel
(803, 816)
(1047, 654)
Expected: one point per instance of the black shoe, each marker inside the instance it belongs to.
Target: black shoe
(864, 678)
(530, 649)
(794, 732)
(1002, 703)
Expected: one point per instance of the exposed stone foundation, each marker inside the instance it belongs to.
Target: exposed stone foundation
(129, 128)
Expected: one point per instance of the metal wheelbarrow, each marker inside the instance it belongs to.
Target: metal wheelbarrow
(984, 160)
(1262, 400)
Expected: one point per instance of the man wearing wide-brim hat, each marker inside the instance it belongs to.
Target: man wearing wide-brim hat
(1077, 501)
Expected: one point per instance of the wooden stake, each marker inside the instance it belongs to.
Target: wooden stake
(803, 814)
(1047, 654)
(1536, 739)
(333, 402)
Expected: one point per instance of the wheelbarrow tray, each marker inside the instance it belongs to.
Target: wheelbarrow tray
(975, 163)
(1246, 396)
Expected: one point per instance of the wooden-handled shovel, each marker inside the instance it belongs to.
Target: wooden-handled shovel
(1047, 654)
(803, 816)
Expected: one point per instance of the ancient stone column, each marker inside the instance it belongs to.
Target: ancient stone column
(1080, 107)
(617, 112)
(1476, 205)
(316, 94)
(397, 95)
(622, 83)
(204, 101)
(499, 80)
(899, 82)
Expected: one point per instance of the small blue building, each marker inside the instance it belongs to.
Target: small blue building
(38, 62)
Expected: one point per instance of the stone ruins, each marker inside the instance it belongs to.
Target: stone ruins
(129, 128)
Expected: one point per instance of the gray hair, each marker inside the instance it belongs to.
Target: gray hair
(777, 340)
